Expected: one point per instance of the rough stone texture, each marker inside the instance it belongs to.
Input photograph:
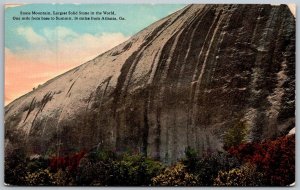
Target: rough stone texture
(182, 81)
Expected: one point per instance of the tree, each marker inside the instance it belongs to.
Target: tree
(236, 135)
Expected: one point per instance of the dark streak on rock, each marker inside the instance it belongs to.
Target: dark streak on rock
(47, 97)
(31, 107)
(71, 87)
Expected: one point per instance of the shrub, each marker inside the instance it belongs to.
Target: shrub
(15, 164)
(244, 176)
(96, 168)
(274, 158)
(206, 169)
(235, 135)
(94, 173)
(70, 162)
(134, 170)
(100, 169)
(63, 178)
(36, 164)
(40, 177)
(176, 175)
(191, 159)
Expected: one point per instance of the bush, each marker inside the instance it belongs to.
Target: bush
(63, 178)
(176, 175)
(274, 158)
(271, 162)
(134, 170)
(244, 176)
(94, 173)
(35, 164)
(15, 167)
(70, 162)
(98, 168)
(206, 169)
(40, 177)
(191, 159)
(235, 135)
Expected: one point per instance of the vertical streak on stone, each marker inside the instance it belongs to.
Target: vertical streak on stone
(145, 46)
(100, 138)
(178, 141)
(158, 141)
(171, 141)
(256, 27)
(275, 99)
(206, 42)
(193, 83)
(129, 68)
(160, 73)
(204, 17)
(251, 113)
(213, 65)
(207, 54)
(155, 101)
(258, 76)
(215, 28)
(205, 10)
(210, 63)
(154, 74)
(163, 78)
(154, 66)
(146, 124)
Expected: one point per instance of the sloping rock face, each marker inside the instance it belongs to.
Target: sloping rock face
(182, 81)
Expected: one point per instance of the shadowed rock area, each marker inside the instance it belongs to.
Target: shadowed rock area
(183, 81)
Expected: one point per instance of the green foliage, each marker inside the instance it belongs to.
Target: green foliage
(36, 164)
(207, 168)
(135, 170)
(101, 155)
(191, 158)
(176, 175)
(247, 175)
(128, 170)
(95, 168)
(235, 135)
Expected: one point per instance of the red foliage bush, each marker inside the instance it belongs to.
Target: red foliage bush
(69, 162)
(275, 158)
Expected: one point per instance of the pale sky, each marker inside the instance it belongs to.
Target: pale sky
(36, 51)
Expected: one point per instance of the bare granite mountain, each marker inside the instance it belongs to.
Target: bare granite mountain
(183, 81)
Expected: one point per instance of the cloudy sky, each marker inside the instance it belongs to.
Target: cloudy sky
(36, 51)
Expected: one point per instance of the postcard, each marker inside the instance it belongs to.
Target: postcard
(149, 95)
